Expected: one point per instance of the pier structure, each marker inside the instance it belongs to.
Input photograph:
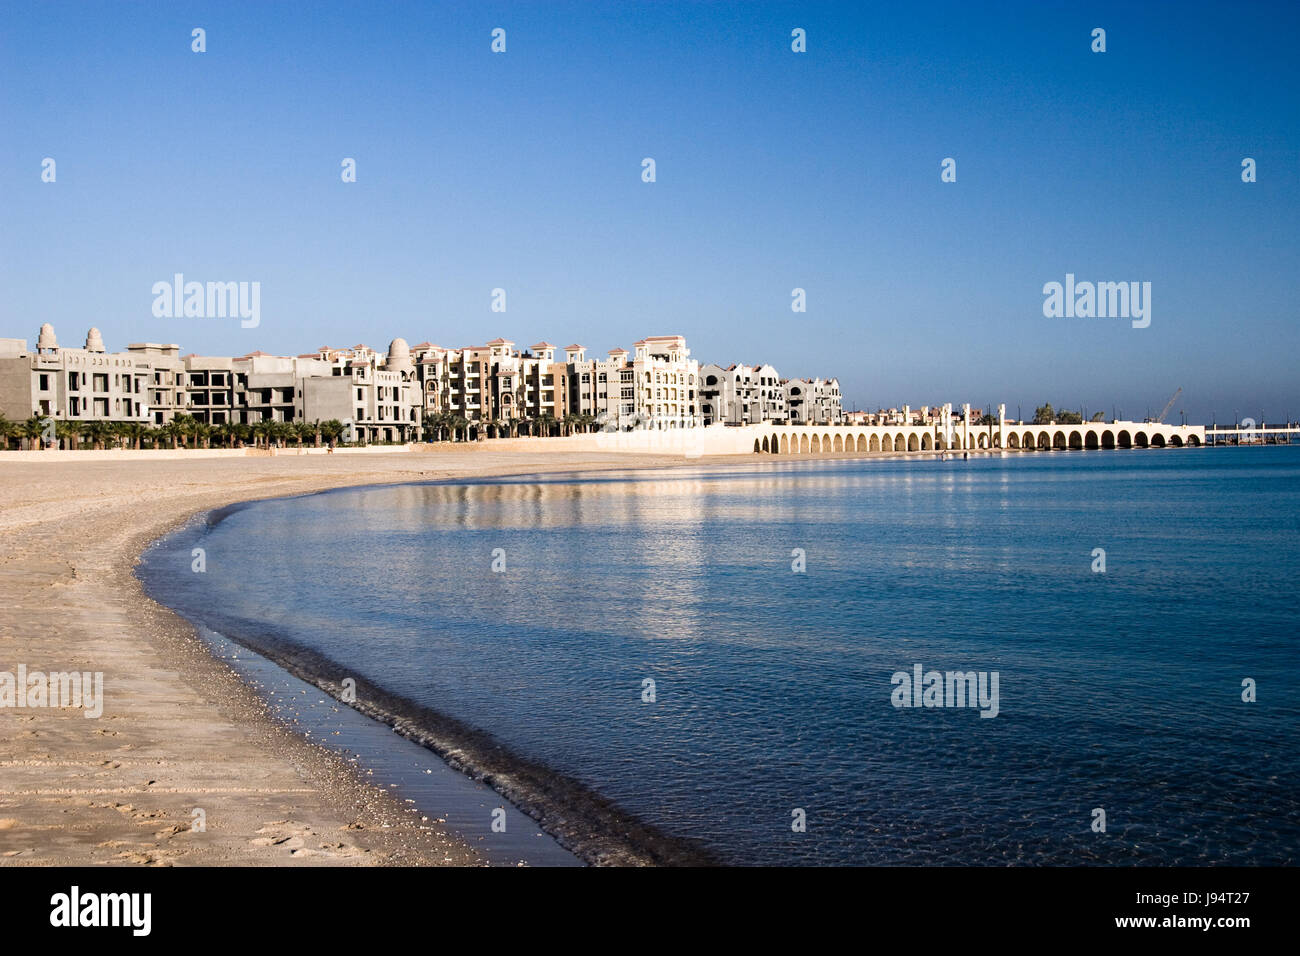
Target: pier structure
(947, 434)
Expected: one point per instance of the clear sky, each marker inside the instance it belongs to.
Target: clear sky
(775, 170)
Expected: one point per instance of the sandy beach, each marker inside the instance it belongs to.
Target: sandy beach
(179, 730)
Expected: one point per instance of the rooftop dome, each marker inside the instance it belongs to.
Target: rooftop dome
(46, 339)
(399, 356)
(94, 341)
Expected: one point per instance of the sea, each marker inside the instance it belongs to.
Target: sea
(719, 664)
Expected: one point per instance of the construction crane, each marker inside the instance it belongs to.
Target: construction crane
(1161, 417)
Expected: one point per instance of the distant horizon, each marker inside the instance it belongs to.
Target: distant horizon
(917, 189)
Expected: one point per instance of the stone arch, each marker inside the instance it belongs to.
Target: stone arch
(1044, 441)
(1076, 439)
(1125, 439)
(758, 446)
(1108, 439)
(1192, 441)
(785, 444)
(1028, 441)
(803, 444)
(886, 443)
(874, 444)
(839, 442)
(1175, 441)
(927, 444)
(1090, 440)
(1013, 440)
(1141, 440)
(912, 443)
(826, 444)
(1058, 440)
(816, 445)
(1157, 440)
(983, 441)
(862, 443)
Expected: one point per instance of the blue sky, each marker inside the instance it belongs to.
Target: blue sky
(775, 170)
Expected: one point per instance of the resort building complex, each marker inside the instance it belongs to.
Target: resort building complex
(404, 394)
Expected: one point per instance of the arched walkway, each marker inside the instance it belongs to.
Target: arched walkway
(875, 443)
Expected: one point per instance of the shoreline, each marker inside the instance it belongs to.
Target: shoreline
(178, 724)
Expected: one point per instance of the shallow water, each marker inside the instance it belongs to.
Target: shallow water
(1119, 690)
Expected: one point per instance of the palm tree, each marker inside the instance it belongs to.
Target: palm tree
(97, 434)
(32, 431)
(133, 433)
(331, 430)
(172, 432)
(68, 432)
(438, 423)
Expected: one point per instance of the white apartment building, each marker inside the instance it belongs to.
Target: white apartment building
(742, 395)
(813, 401)
(665, 384)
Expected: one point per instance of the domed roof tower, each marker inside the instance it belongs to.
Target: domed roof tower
(399, 357)
(45, 341)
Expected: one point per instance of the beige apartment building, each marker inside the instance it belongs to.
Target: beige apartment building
(381, 397)
(79, 384)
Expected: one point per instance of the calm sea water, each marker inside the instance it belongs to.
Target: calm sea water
(1119, 690)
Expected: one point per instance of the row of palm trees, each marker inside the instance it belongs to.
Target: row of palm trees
(448, 426)
(183, 431)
